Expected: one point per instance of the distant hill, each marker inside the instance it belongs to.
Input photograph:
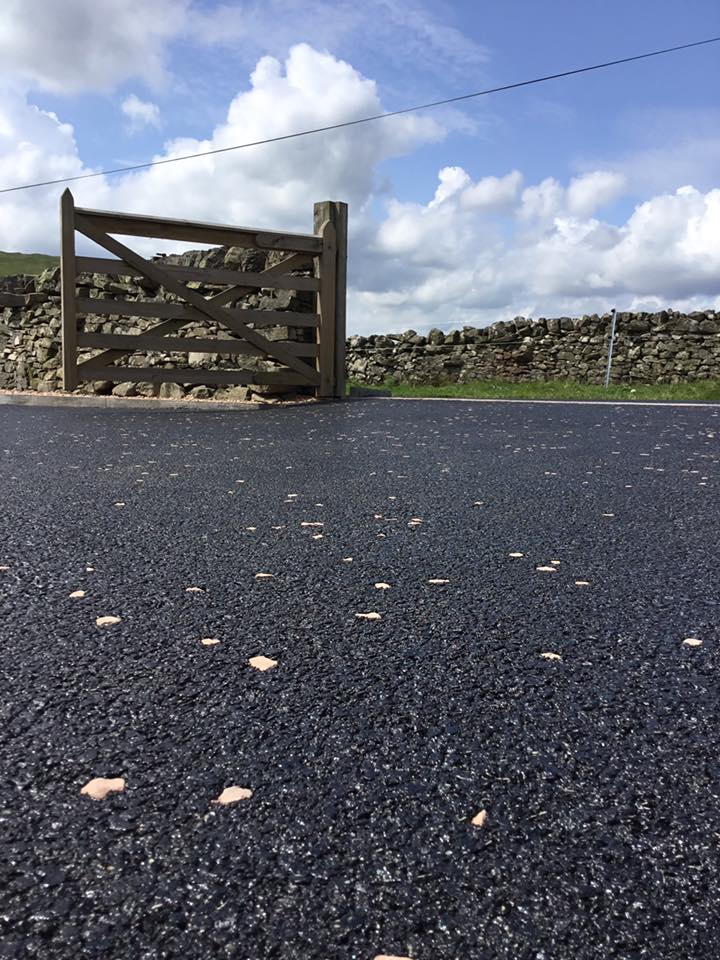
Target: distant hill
(15, 263)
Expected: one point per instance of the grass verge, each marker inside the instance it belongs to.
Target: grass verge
(704, 390)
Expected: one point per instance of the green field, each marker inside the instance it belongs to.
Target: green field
(707, 390)
(12, 264)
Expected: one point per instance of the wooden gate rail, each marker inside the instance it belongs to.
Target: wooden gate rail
(180, 345)
(118, 268)
(178, 311)
(159, 228)
(324, 372)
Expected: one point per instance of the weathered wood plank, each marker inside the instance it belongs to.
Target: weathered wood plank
(157, 275)
(341, 230)
(90, 371)
(326, 309)
(119, 268)
(179, 311)
(339, 219)
(152, 342)
(337, 213)
(129, 224)
(67, 290)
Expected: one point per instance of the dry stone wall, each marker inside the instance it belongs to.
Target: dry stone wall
(663, 347)
(30, 327)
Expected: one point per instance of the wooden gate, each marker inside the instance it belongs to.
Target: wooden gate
(319, 365)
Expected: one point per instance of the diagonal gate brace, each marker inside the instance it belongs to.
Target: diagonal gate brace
(294, 262)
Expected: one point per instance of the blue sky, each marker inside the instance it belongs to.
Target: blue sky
(628, 138)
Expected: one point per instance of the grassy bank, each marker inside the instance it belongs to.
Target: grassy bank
(12, 264)
(707, 390)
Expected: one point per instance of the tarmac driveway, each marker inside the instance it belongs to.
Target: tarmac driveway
(535, 571)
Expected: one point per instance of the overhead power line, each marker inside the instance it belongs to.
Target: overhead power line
(370, 119)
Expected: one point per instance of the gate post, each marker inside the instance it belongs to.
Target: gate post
(336, 212)
(67, 290)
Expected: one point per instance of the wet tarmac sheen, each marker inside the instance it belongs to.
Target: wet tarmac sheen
(518, 757)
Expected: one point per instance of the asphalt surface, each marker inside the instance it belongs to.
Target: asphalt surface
(373, 743)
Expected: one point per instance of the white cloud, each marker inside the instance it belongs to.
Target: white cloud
(276, 185)
(461, 215)
(476, 251)
(581, 198)
(449, 263)
(671, 243)
(542, 202)
(67, 46)
(272, 186)
(588, 193)
(34, 145)
(140, 113)
(493, 193)
(452, 180)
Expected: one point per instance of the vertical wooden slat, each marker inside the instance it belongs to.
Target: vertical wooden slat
(69, 305)
(326, 269)
(337, 213)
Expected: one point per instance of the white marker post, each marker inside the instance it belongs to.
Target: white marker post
(610, 348)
